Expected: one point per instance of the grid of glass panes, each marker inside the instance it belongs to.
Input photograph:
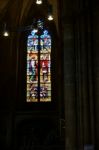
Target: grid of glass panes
(44, 74)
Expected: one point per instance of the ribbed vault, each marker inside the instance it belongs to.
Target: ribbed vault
(14, 13)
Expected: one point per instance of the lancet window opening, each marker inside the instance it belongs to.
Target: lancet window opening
(39, 46)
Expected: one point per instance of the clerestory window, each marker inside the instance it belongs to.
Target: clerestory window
(39, 44)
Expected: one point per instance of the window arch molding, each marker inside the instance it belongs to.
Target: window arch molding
(21, 89)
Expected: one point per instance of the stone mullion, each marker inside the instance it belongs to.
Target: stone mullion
(90, 79)
(78, 84)
(84, 72)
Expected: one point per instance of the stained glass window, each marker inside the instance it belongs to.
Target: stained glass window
(39, 67)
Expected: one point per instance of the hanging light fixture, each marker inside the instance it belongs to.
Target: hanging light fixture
(38, 2)
(50, 15)
(5, 32)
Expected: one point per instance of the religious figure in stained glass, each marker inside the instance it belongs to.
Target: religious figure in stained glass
(39, 81)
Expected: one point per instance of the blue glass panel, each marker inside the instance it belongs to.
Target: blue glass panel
(45, 40)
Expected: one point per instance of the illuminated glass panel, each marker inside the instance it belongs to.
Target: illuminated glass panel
(39, 81)
(32, 71)
(45, 69)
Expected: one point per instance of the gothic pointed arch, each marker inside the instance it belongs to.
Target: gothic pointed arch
(38, 65)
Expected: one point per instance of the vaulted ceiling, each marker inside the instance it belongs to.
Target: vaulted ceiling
(16, 12)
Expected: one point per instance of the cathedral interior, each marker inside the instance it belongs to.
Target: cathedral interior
(54, 104)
